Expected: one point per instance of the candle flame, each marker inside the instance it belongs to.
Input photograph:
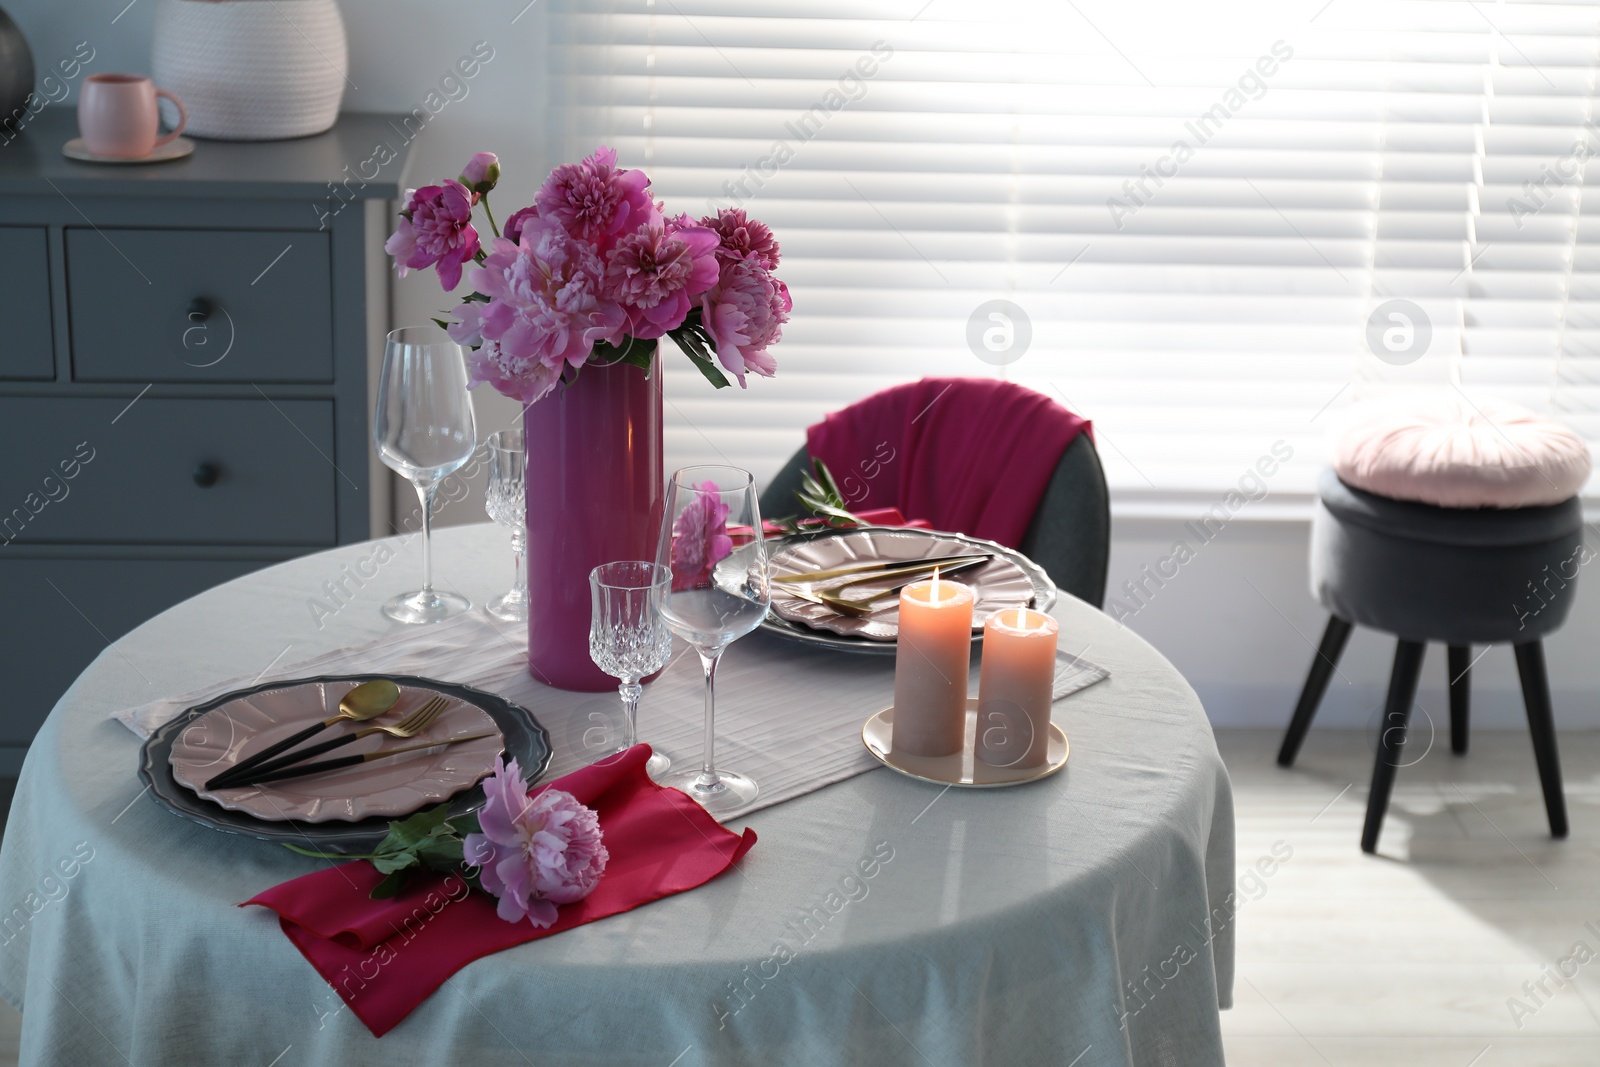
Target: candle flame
(935, 597)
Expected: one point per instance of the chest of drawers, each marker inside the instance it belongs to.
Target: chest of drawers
(184, 364)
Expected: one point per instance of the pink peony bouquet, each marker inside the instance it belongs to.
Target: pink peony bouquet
(594, 271)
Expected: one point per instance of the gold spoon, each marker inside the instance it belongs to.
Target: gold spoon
(366, 701)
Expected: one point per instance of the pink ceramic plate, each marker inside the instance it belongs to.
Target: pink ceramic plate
(997, 584)
(389, 788)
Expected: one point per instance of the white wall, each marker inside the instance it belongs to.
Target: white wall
(1244, 658)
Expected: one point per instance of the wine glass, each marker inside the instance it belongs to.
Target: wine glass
(424, 429)
(507, 504)
(711, 541)
(628, 638)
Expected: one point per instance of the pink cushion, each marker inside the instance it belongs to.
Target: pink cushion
(1446, 451)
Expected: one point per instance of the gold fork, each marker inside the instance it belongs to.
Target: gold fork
(410, 726)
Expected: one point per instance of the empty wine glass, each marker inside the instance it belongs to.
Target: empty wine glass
(628, 638)
(424, 429)
(507, 504)
(711, 541)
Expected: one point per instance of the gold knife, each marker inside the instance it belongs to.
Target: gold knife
(888, 569)
(350, 761)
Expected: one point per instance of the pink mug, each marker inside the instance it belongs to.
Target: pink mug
(118, 116)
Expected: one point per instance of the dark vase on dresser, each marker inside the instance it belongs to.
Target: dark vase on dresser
(183, 381)
(16, 71)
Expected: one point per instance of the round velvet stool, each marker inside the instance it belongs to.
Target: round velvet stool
(1446, 522)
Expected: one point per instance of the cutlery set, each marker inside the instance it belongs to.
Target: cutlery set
(365, 701)
(911, 571)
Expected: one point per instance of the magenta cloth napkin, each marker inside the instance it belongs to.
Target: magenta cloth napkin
(970, 455)
(384, 957)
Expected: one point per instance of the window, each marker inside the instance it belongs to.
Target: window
(1211, 216)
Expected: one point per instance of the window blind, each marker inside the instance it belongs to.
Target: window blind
(1200, 217)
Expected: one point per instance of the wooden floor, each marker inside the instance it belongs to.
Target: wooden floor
(1416, 957)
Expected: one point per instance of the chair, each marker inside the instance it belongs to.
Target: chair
(1503, 571)
(1069, 535)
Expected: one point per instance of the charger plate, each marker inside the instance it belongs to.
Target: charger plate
(962, 768)
(525, 739)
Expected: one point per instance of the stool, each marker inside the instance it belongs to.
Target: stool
(1458, 575)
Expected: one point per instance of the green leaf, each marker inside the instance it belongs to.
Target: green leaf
(389, 887)
(466, 824)
(407, 834)
(441, 854)
(394, 861)
(443, 325)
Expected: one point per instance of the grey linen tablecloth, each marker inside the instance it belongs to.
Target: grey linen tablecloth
(1085, 919)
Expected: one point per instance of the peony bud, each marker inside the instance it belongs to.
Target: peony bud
(481, 173)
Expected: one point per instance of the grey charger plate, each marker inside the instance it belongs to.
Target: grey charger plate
(1044, 595)
(526, 740)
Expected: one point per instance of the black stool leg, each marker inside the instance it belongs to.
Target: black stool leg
(1392, 736)
(1541, 724)
(1333, 639)
(1460, 667)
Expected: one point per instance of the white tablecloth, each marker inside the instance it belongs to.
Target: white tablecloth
(1084, 920)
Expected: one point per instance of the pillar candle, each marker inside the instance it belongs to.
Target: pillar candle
(930, 668)
(1014, 688)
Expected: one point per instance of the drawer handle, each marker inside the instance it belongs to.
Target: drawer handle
(205, 475)
(201, 308)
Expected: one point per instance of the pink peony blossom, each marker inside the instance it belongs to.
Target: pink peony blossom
(700, 537)
(594, 201)
(744, 313)
(655, 272)
(741, 237)
(513, 227)
(545, 311)
(534, 852)
(435, 231)
(481, 172)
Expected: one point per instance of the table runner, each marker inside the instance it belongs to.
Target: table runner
(769, 726)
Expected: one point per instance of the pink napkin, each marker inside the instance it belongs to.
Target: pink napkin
(384, 957)
(970, 455)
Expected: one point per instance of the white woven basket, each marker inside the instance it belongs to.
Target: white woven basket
(252, 70)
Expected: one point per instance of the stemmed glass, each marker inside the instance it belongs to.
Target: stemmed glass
(424, 429)
(507, 504)
(711, 541)
(628, 638)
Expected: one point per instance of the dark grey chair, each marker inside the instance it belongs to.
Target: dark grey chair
(1070, 535)
(1457, 576)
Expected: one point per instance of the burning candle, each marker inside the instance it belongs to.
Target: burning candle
(930, 668)
(1014, 688)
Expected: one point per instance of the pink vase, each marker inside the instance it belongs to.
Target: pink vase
(595, 495)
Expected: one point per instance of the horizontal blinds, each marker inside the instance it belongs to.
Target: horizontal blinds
(1197, 207)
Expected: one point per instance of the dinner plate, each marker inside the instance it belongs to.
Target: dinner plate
(392, 787)
(525, 739)
(961, 768)
(1026, 582)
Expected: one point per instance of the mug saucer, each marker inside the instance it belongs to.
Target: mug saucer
(176, 148)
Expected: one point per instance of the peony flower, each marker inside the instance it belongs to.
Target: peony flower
(545, 311)
(513, 227)
(481, 172)
(655, 272)
(534, 852)
(435, 231)
(741, 237)
(594, 201)
(700, 537)
(744, 313)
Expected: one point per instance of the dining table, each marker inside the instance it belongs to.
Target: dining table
(1082, 919)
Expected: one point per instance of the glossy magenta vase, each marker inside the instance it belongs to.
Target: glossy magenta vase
(595, 495)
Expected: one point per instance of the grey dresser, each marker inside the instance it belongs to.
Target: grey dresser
(184, 355)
